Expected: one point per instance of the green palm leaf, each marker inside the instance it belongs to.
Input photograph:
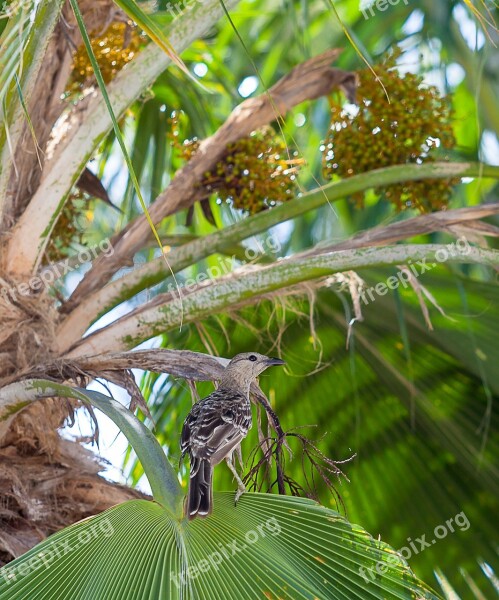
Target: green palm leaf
(268, 547)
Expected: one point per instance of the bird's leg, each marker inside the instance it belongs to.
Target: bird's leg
(239, 455)
(241, 488)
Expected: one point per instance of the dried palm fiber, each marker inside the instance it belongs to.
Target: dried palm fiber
(27, 327)
(27, 335)
(39, 497)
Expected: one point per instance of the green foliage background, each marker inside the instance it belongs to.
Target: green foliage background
(418, 407)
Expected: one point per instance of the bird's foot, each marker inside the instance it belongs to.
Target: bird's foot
(240, 491)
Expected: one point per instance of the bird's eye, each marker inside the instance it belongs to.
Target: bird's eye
(252, 358)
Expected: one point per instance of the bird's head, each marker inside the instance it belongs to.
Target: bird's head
(244, 368)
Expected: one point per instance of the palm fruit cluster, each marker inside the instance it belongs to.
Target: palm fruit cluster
(413, 126)
(113, 49)
(254, 173)
(69, 229)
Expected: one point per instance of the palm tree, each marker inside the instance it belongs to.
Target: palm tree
(405, 381)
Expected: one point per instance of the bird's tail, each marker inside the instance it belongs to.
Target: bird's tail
(200, 494)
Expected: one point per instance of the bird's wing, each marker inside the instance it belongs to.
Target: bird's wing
(215, 426)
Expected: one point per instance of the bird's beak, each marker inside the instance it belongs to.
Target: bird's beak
(274, 362)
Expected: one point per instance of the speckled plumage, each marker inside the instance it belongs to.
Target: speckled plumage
(216, 426)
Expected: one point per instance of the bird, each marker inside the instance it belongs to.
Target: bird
(215, 427)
